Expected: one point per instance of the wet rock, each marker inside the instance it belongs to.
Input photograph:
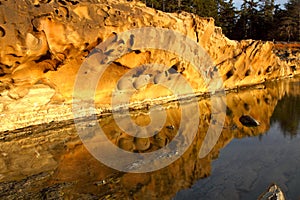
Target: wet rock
(273, 193)
(249, 121)
(50, 161)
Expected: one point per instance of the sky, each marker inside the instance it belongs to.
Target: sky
(238, 3)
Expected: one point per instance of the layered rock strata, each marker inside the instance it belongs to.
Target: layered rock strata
(43, 44)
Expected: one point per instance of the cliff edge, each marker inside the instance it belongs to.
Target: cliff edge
(43, 44)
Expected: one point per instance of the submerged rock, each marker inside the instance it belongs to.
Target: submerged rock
(273, 193)
(249, 121)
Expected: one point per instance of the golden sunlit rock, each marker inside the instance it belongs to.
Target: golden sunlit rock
(45, 42)
(52, 155)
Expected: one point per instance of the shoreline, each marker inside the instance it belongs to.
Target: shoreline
(40, 65)
(62, 113)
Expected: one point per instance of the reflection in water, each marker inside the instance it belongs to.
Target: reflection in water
(247, 166)
(49, 161)
(287, 114)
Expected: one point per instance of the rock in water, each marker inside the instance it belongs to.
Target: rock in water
(273, 193)
(249, 121)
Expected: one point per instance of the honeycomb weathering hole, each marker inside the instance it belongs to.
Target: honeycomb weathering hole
(2, 32)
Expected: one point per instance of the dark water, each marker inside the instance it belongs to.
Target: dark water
(246, 166)
(249, 165)
(50, 162)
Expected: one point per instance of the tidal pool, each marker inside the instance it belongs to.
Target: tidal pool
(50, 162)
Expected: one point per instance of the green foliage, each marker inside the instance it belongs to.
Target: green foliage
(227, 17)
(289, 28)
(257, 19)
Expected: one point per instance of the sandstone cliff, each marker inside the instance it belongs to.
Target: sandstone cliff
(43, 44)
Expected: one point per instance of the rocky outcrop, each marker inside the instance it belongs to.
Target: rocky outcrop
(43, 44)
(288, 52)
(50, 161)
(274, 192)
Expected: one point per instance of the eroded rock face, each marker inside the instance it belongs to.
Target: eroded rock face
(50, 161)
(43, 44)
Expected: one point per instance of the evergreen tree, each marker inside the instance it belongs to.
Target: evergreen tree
(257, 19)
(292, 20)
(286, 22)
(227, 17)
(248, 22)
(266, 12)
(206, 8)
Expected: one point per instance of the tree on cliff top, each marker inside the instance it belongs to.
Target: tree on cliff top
(227, 17)
(247, 24)
(257, 19)
(292, 19)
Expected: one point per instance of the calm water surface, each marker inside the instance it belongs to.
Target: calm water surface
(247, 165)
(50, 161)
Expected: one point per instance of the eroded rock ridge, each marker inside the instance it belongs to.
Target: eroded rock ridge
(43, 44)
